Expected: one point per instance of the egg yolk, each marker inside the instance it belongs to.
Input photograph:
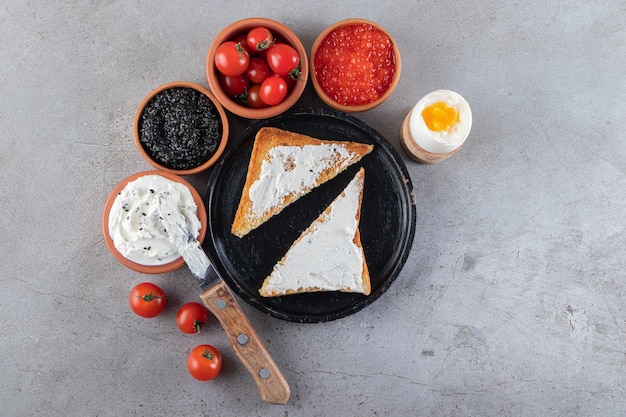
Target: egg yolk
(439, 117)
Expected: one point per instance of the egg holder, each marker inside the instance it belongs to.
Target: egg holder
(416, 152)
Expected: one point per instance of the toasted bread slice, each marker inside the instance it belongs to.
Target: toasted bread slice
(328, 255)
(283, 167)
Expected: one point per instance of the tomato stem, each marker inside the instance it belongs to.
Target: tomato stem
(294, 74)
(243, 97)
(207, 354)
(264, 45)
(149, 297)
(197, 326)
(241, 50)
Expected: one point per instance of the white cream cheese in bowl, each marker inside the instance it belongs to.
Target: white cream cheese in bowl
(134, 224)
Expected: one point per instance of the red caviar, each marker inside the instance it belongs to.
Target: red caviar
(355, 64)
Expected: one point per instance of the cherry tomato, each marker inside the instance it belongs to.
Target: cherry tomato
(273, 90)
(254, 97)
(231, 58)
(191, 317)
(258, 70)
(147, 300)
(283, 59)
(204, 362)
(234, 86)
(259, 38)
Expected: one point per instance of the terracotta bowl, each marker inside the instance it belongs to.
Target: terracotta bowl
(315, 77)
(150, 269)
(281, 32)
(160, 164)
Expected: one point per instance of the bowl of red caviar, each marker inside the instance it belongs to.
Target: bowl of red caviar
(355, 65)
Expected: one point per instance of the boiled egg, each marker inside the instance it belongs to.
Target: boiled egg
(441, 121)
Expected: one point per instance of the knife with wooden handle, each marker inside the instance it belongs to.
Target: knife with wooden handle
(219, 300)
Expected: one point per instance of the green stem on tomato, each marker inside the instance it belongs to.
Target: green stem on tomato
(261, 46)
(241, 50)
(197, 326)
(149, 297)
(294, 74)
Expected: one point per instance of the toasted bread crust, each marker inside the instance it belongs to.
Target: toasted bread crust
(365, 276)
(266, 139)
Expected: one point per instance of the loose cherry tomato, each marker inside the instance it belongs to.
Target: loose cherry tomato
(234, 86)
(273, 90)
(258, 70)
(191, 317)
(259, 38)
(204, 362)
(147, 300)
(283, 59)
(231, 59)
(254, 97)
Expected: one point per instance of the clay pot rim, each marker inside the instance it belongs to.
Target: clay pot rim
(243, 26)
(225, 128)
(151, 269)
(364, 107)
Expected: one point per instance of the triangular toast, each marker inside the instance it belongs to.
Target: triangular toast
(283, 167)
(328, 255)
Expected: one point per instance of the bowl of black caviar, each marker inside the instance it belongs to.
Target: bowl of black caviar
(181, 128)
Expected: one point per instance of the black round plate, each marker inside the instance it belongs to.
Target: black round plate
(387, 218)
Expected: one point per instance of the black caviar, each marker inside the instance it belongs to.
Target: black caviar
(180, 128)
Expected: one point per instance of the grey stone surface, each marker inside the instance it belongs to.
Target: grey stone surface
(512, 300)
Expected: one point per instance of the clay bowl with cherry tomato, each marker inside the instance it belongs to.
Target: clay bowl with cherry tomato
(354, 65)
(257, 68)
